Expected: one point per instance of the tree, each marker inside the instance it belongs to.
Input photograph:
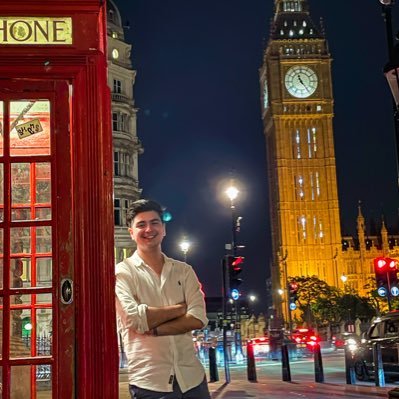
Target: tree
(310, 291)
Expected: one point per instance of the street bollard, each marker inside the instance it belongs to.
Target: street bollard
(349, 367)
(251, 366)
(213, 369)
(285, 363)
(378, 367)
(318, 364)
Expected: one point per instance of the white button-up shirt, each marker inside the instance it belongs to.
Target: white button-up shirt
(153, 361)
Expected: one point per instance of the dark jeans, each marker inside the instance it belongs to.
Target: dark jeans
(199, 392)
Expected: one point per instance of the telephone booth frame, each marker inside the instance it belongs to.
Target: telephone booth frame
(56, 208)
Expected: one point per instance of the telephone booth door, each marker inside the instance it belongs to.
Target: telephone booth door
(36, 281)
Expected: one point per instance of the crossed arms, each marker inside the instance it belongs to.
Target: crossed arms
(163, 320)
(171, 320)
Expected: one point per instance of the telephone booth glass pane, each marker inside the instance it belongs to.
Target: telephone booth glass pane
(30, 127)
(44, 272)
(31, 326)
(21, 377)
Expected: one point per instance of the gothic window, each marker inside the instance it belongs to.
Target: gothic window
(301, 228)
(317, 184)
(117, 86)
(318, 230)
(296, 145)
(312, 142)
(299, 187)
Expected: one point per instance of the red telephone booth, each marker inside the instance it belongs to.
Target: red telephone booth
(57, 320)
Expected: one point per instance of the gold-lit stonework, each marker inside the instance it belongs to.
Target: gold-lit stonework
(35, 31)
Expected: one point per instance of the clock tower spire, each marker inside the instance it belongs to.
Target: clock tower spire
(297, 113)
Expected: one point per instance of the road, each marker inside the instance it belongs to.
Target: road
(270, 385)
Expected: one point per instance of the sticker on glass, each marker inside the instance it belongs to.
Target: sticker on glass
(29, 128)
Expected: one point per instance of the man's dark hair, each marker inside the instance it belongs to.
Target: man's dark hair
(142, 205)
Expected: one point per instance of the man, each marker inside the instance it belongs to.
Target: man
(159, 303)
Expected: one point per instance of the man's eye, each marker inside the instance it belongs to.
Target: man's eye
(140, 225)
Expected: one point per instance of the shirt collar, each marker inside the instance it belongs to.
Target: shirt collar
(137, 261)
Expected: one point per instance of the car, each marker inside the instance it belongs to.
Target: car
(385, 331)
(261, 346)
(341, 340)
(305, 338)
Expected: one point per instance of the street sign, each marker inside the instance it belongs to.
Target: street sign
(292, 306)
(394, 291)
(382, 291)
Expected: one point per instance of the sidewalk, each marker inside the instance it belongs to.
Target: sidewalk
(274, 389)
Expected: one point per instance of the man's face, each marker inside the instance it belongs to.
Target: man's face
(147, 230)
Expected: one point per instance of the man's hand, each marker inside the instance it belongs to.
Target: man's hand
(162, 314)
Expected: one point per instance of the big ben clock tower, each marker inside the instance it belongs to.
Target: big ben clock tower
(297, 112)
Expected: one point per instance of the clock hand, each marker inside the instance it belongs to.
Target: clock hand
(301, 82)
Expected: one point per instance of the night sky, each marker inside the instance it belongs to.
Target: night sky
(199, 119)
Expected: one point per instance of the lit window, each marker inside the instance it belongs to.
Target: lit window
(115, 54)
(312, 144)
(114, 35)
(318, 108)
(312, 186)
(299, 187)
(311, 31)
(302, 228)
(291, 32)
(281, 32)
(297, 145)
(317, 184)
(301, 31)
(304, 24)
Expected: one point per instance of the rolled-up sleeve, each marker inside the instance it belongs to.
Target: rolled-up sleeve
(131, 314)
(194, 296)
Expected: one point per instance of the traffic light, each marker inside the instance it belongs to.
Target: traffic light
(392, 273)
(293, 291)
(386, 277)
(233, 270)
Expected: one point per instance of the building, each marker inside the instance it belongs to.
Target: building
(297, 112)
(127, 146)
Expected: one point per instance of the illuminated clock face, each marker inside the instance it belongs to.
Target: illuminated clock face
(301, 81)
(265, 96)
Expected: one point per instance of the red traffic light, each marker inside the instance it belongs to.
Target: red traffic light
(238, 261)
(380, 264)
(392, 263)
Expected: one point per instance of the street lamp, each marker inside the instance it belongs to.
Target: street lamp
(185, 246)
(232, 193)
(391, 70)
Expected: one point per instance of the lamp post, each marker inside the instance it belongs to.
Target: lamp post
(232, 193)
(391, 70)
(185, 246)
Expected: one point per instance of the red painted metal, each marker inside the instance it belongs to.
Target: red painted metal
(85, 346)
